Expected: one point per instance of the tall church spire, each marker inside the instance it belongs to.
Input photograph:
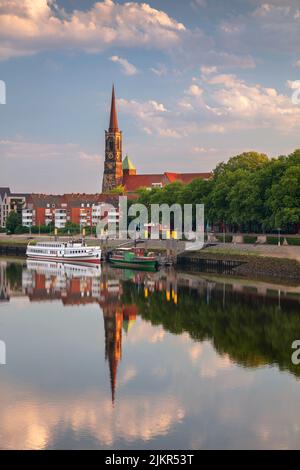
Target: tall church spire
(113, 123)
(113, 172)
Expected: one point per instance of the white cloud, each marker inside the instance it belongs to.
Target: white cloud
(159, 70)
(151, 116)
(127, 67)
(31, 26)
(244, 105)
(267, 9)
(194, 90)
(174, 134)
(230, 28)
(203, 149)
(207, 70)
(34, 26)
(297, 63)
(185, 104)
(93, 158)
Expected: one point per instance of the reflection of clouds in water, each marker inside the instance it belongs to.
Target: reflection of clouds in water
(146, 333)
(34, 424)
(127, 375)
(210, 363)
(195, 352)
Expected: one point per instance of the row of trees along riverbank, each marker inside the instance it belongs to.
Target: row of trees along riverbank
(249, 193)
(14, 227)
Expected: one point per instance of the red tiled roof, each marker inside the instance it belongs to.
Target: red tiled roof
(134, 182)
(72, 200)
(186, 178)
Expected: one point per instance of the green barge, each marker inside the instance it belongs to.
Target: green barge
(134, 258)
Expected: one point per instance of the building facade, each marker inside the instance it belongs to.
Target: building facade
(4, 205)
(85, 210)
(10, 202)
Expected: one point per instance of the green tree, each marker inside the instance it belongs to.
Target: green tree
(14, 220)
(284, 198)
(248, 161)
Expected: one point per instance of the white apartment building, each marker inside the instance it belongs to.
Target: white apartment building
(60, 218)
(28, 217)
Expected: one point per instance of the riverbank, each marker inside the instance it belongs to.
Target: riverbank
(266, 262)
(259, 262)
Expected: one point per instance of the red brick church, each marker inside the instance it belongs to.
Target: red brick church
(119, 172)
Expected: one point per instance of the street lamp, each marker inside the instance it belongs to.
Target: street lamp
(279, 230)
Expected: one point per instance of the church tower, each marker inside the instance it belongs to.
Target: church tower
(113, 172)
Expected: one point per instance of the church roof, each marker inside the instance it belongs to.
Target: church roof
(113, 122)
(127, 164)
(186, 178)
(134, 182)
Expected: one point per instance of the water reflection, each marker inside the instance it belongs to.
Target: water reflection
(183, 358)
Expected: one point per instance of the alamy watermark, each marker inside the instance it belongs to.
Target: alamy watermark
(296, 95)
(2, 353)
(158, 221)
(2, 92)
(296, 354)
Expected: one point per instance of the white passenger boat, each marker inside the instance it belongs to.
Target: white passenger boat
(68, 252)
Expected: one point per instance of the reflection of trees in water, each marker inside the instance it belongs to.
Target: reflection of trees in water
(14, 275)
(252, 329)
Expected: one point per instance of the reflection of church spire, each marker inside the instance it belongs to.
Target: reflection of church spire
(113, 345)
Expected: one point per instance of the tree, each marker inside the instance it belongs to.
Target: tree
(13, 221)
(249, 192)
(248, 161)
(117, 190)
(284, 198)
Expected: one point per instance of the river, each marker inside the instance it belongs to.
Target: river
(119, 359)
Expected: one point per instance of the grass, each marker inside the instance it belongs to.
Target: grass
(14, 241)
(231, 251)
(293, 241)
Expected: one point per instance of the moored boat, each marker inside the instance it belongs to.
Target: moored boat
(134, 257)
(72, 252)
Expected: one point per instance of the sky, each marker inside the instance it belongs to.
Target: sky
(197, 81)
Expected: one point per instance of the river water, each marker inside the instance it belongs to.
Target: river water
(108, 358)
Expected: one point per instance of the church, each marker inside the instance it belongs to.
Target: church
(119, 172)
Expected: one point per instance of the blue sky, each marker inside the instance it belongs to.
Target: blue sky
(197, 81)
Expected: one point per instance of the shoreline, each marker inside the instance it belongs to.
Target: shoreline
(244, 261)
(248, 264)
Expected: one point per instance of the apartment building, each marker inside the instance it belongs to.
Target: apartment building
(82, 209)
